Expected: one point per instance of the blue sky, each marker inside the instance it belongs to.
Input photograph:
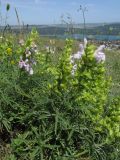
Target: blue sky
(50, 11)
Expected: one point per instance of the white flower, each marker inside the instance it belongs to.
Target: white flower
(74, 69)
(72, 59)
(36, 51)
(26, 60)
(78, 55)
(31, 71)
(21, 42)
(81, 47)
(72, 72)
(99, 54)
(21, 58)
(27, 67)
(100, 48)
(52, 51)
(33, 45)
(85, 42)
(52, 41)
(47, 48)
(28, 54)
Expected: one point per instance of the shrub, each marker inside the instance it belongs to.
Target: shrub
(54, 114)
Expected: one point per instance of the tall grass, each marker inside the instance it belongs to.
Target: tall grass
(113, 68)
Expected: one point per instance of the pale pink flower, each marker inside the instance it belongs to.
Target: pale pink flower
(78, 55)
(81, 47)
(100, 48)
(99, 54)
(21, 64)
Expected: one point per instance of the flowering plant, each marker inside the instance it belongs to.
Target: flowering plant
(62, 111)
(27, 59)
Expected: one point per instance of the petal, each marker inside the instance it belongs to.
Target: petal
(31, 71)
(85, 42)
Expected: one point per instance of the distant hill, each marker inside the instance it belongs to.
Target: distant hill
(91, 29)
(60, 29)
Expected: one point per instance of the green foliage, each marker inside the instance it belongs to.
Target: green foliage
(52, 114)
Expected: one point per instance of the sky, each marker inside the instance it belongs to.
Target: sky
(51, 11)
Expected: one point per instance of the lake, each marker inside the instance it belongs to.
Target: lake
(92, 37)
